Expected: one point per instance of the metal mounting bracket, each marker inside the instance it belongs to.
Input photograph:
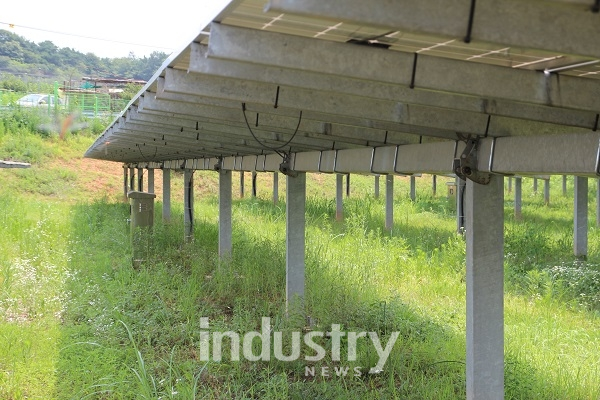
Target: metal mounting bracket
(465, 167)
(286, 168)
(218, 165)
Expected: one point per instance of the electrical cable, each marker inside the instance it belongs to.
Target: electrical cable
(84, 37)
(275, 149)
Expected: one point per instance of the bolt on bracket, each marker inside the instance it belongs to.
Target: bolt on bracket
(465, 167)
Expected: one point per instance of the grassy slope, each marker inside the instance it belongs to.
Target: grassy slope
(74, 313)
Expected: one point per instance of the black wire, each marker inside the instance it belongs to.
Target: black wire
(275, 149)
(467, 38)
(189, 199)
(462, 204)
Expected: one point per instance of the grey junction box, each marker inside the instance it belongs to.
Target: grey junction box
(142, 220)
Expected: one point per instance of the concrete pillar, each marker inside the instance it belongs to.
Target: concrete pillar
(275, 187)
(131, 178)
(389, 202)
(485, 289)
(461, 187)
(348, 185)
(253, 183)
(580, 239)
(509, 184)
(241, 184)
(295, 227)
(376, 186)
(339, 202)
(547, 192)
(188, 205)
(225, 245)
(150, 180)
(518, 197)
(434, 184)
(413, 189)
(535, 185)
(125, 182)
(598, 202)
(140, 180)
(564, 185)
(166, 203)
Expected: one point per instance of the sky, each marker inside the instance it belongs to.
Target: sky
(125, 26)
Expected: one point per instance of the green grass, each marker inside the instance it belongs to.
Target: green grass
(78, 321)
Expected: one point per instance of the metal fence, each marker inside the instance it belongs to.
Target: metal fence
(90, 105)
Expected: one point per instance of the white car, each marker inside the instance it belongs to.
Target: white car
(37, 100)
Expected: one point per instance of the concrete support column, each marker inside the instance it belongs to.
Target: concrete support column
(485, 290)
(509, 184)
(188, 205)
(225, 246)
(254, 183)
(241, 184)
(275, 187)
(518, 197)
(413, 188)
(140, 180)
(348, 185)
(389, 202)
(295, 243)
(434, 184)
(547, 192)
(150, 180)
(339, 202)
(535, 185)
(125, 182)
(166, 203)
(460, 205)
(564, 185)
(131, 178)
(376, 186)
(580, 239)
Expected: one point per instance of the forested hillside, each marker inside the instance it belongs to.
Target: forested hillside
(19, 56)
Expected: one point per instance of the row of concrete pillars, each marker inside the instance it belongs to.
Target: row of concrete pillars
(480, 212)
(580, 201)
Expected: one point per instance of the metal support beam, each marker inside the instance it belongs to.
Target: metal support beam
(355, 62)
(225, 243)
(518, 197)
(434, 185)
(150, 175)
(485, 290)
(535, 185)
(166, 203)
(253, 183)
(598, 202)
(413, 188)
(241, 184)
(339, 198)
(348, 185)
(376, 186)
(295, 242)
(125, 182)
(131, 178)
(547, 192)
(275, 187)
(188, 205)
(580, 239)
(389, 202)
(510, 184)
(461, 187)
(140, 180)
(511, 23)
